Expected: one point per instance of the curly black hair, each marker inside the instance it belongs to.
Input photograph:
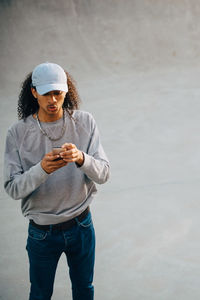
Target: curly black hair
(27, 105)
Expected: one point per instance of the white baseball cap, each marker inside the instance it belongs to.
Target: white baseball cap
(48, 77)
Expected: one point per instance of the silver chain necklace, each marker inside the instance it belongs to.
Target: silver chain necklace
(45, 133)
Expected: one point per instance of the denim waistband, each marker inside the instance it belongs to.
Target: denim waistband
(64, 225)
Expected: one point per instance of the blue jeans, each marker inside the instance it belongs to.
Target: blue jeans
(44, 250)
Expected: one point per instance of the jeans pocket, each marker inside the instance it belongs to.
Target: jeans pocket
(86, 222)
(36, 234)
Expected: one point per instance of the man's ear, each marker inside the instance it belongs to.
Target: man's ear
(34, 92)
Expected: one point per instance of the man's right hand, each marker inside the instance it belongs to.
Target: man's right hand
(49, 163)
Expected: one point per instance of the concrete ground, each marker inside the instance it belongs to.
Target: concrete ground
(137, 67)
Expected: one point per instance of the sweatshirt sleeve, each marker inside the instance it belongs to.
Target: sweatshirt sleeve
(17, 182)
(96, 164)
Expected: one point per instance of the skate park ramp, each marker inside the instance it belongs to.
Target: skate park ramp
(137, 67)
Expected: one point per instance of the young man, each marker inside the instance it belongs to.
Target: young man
(56, 185)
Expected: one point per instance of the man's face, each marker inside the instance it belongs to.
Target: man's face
(50, 104)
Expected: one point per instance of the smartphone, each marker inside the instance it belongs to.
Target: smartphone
(57, 150)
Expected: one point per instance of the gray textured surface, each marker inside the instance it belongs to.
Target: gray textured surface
(137, 67)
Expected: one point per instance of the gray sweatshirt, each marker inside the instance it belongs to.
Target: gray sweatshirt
(65, 193)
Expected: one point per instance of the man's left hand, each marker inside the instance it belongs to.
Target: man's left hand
(72, 154)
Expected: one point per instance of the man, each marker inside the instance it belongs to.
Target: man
(56, 185)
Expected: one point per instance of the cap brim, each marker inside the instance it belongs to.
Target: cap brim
(43, 89)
